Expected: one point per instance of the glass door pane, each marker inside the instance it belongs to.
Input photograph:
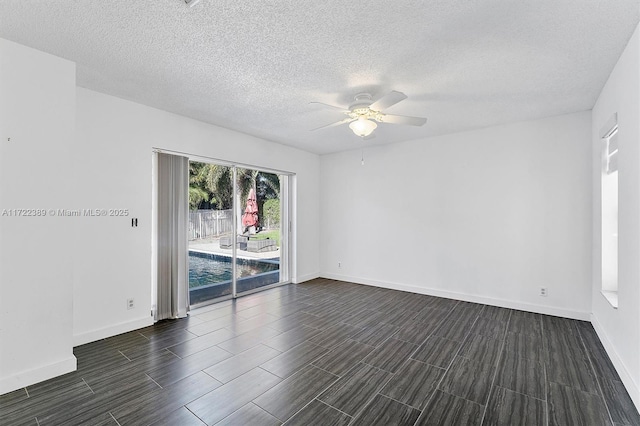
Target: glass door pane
(211, 232)
(237, 240)
(260, 242)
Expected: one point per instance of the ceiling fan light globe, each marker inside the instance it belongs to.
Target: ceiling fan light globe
(363, 127)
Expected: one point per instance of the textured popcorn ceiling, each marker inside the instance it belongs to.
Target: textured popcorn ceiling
(254, 66)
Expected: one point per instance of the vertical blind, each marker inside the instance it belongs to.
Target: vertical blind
(173, 260)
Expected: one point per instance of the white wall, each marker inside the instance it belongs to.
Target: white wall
(490, 215)
(619, 329)
(64, 280)
(113, 169)
(37, 112)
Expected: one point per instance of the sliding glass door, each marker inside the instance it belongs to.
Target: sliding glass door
(237, 243)
(260, 233)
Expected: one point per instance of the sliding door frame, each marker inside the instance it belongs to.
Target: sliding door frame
(234, 235)
(287, 207)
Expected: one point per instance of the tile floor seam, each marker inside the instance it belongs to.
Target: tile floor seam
(225, 417)
(495, 373)
(426, 363)
(218, 380)
(392, 375)
(446, 370)
(326, 371)
(438, 324)
(267, 390)
(179, 357)
(595, 393)
(546, 393)
(172, 353)
(460, 397)
(329, 405)
(308, 403)
(153, 380)
(595, 375)
(437, 386)
(519, 393)
(196, 416)
(127, 358)
(546, 375)
(85, 382)
(399, 402)
(114, 419)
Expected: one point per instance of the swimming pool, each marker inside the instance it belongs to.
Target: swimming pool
(210, 275)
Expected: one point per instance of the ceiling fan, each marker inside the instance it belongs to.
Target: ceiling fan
(362, 113)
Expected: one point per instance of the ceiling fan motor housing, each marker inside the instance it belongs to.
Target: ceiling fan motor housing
(360, 108)
(361, 100)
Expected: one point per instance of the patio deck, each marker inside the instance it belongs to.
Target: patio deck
(212, 245)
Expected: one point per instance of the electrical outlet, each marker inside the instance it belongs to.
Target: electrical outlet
(543, 291)
(130, 304)
(339, 264)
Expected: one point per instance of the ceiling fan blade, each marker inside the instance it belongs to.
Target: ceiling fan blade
(402, 119)
(345, 111)
(337, 123)
(388, 100)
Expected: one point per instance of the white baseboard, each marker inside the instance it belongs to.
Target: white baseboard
(37, 375)
(307, 277)
(627, 379)
(103, 333)
(511, 304)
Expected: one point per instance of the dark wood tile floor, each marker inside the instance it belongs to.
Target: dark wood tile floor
(334, 353)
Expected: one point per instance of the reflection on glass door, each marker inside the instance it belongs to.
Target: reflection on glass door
(235, 225)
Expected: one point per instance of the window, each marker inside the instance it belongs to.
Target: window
(609, 214)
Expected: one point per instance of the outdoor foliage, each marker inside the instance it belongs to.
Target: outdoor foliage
(271, 213)
(198, 194)
(211, 186)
